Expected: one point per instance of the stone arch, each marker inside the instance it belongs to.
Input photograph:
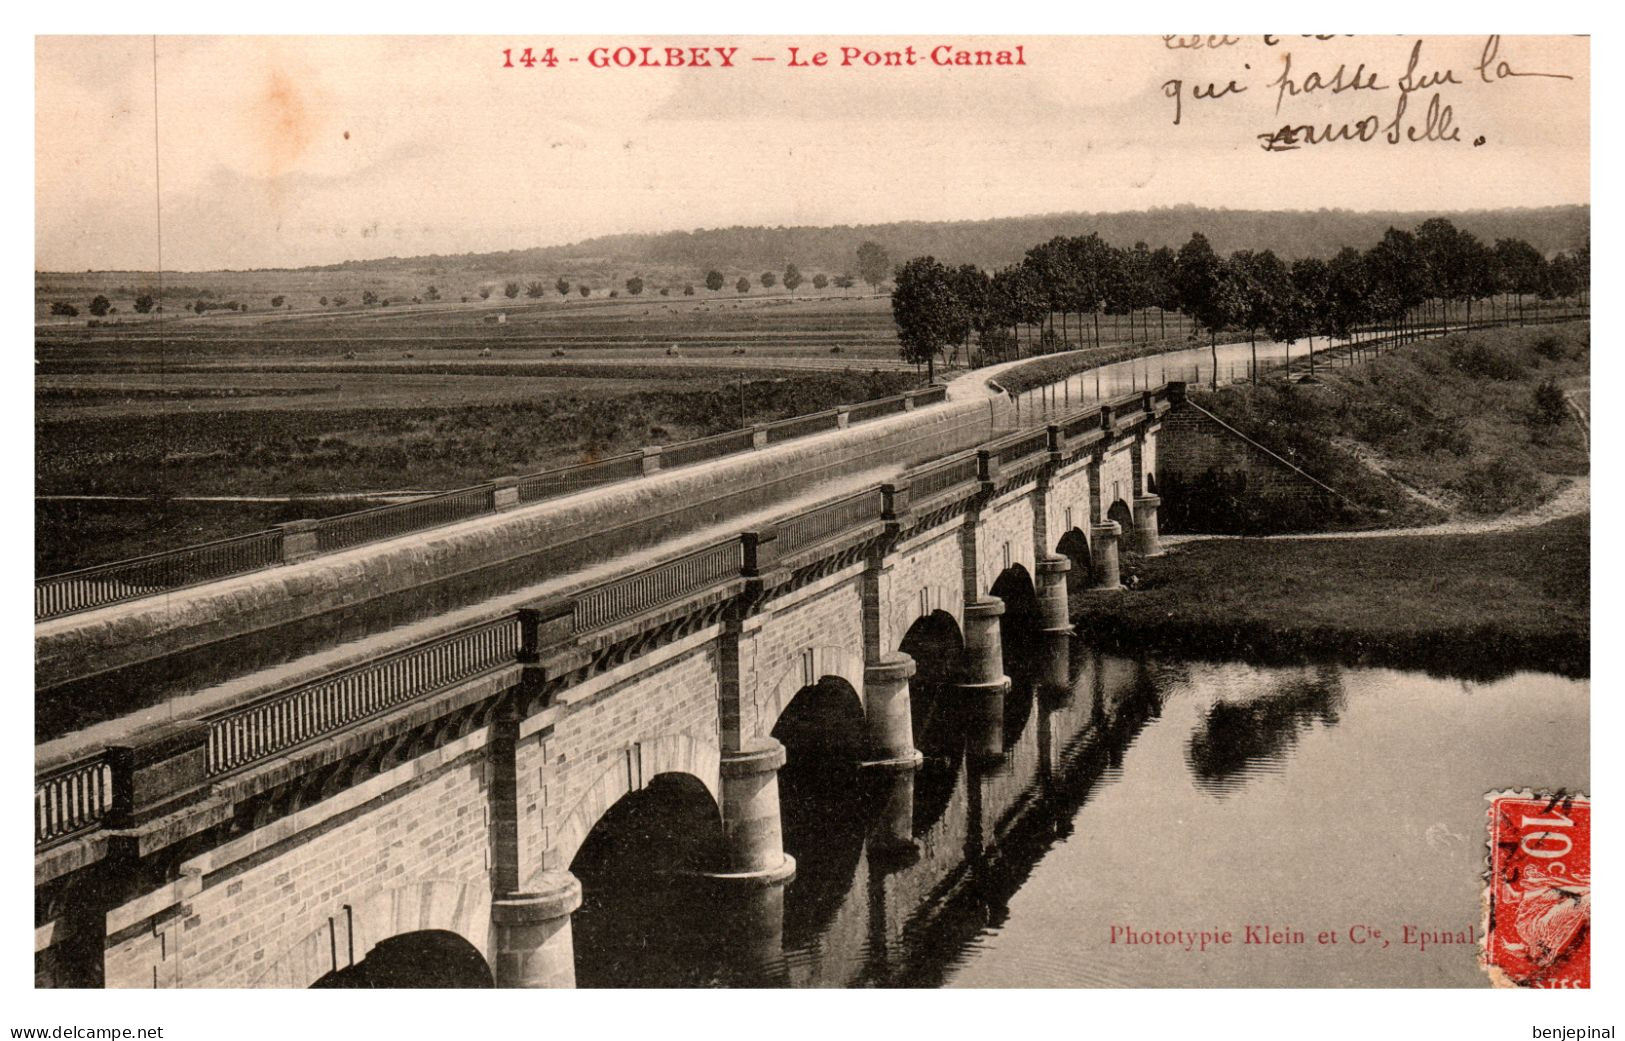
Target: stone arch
(922, 602)
(936, 642)
(1120, 512)
(433, 905)
(1074, 546)
(823, 720)
(429, 958)
(646, 759)
(803, 669)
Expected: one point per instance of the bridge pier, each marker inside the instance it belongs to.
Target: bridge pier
(1104, 551)
(531, 944)
(1053, 609)
(1055, 670)
(890, 841)
(888, 715)
(1149, 540)
(752, 833)
(984, 683)
(750, 927)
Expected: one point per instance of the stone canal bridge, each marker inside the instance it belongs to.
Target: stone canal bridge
(323, 781)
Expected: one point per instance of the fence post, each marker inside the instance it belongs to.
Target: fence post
(758, 435)
(298, 540)
(758, 550)
(504, 494)
(156, 776)
(651, 460)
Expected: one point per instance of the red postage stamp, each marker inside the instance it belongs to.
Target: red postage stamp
(1537, 930)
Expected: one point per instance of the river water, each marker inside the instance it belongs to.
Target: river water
(1337, 810)
(1194, 365)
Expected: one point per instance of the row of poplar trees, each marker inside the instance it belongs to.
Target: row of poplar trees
(1406, 280)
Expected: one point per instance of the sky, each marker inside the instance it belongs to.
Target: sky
(288, 151)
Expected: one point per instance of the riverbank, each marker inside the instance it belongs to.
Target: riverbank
(1473, 605)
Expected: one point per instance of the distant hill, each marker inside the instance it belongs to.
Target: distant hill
(992, 243)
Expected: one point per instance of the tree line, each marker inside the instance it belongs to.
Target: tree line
(872, 262)
(1405, 280)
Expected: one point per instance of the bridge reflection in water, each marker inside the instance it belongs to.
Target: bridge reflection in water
(897, 869)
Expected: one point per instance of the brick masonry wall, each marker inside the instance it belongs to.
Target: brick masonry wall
(661, 720)
(798, 644)
(415, 858)
(1193, 447)
(1116, 478)
(1069, 493)
(1004, 522)
(927, 575)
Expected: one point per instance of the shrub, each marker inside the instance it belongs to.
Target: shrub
(1549, 347)
(1479, 359)
(1547, 407)
(1496, 486)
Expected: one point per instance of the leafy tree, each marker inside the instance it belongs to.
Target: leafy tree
(99, 305)
(792, 278)
(584, 289)
(743, 285)
(368, 298)
(634, 285)
(432, 293)
(769, 279)
(143, 303)
(1562, 278)
(1052, 273)
(563, 286)
(340, 301)
(665, 290)
(1197, 271)
(820, 280)
(1439, 252)
(1162, 289)
(63, 309)
(973, 297)
(1262, 287)
(845, 282)
(873, 264)
(535, 290)
(485, 292)
(1092, 276)
(927, 310)
(713, 280)
(688, 290)
(510, 290)
(1311, 312)
(1401, 272)
(1518, 264)
(1478, 276)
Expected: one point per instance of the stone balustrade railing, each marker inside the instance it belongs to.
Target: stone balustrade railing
(125, 785)
(119, 581)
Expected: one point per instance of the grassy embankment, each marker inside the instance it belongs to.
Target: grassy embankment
(1456, 419)
(351, 433)
(1448, 427)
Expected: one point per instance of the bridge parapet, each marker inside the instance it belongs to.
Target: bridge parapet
(119, 581)
(97, 790)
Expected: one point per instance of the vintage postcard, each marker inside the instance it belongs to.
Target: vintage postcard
(899, 511)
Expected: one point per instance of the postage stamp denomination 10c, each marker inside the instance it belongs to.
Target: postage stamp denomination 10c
(1537, 903)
